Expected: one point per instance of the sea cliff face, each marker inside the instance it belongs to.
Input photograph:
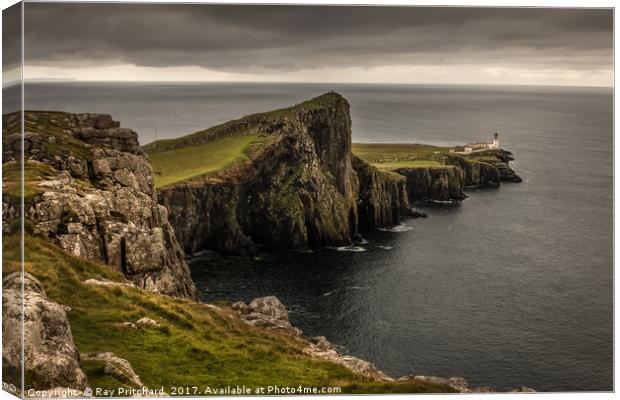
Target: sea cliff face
(383, 196)
(303, 190)
(476, 174)
(89, 189)
(447, 183)
(440, 184)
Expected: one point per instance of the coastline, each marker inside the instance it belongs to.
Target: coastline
(91, 195)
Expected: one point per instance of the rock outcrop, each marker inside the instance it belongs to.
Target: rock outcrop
(90, 190)
(51, 359)
(383, 196)
(269, 313)
(476, 174)
(302, 190)
(501, 159)
(439, 184)
(447, 183)
(116, 367)
(486, 168)
(266, 312)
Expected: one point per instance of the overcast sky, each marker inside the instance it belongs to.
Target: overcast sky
(138, 42)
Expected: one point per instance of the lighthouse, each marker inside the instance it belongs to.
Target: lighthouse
(496, 141)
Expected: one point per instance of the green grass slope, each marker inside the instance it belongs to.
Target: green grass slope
(241, 126)
(184, 163)
(219, 147)
(196, 345)
(387, 156)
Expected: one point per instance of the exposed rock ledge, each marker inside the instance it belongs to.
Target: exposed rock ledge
(269, 313)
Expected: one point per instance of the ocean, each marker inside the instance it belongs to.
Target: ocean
(512, 288)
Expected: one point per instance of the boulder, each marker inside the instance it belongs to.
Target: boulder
(266, 312)
(116, 367)
(145, 322)
(50, 357)
(269, 306)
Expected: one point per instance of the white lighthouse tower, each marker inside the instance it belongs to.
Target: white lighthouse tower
(496, 141)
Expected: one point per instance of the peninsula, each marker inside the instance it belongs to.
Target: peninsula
(292, 179)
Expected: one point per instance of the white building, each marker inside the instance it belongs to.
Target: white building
(474, 147)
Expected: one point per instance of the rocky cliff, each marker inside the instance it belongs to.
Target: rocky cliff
(439, 184)
(446, 183)
(475, 174)
(302, 190)
(500, 159)
(89, 189)
(383, 196)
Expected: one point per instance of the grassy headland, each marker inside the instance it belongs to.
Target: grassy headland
(219, 147)
(242, 126)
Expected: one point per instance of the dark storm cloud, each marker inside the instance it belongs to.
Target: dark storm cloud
(11, 36)
(257, 38)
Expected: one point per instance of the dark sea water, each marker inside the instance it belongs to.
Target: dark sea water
(515, 287)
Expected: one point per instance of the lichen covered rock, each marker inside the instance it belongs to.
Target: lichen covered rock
(50, 357)
(96, 198)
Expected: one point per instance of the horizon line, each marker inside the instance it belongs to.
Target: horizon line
(60, 80)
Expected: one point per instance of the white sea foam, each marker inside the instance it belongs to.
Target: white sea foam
(397, 228)
(385, 247)
(354, 249)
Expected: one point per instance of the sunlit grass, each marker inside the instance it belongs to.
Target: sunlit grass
(389, 156)
(411, 164)
(188, 162)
